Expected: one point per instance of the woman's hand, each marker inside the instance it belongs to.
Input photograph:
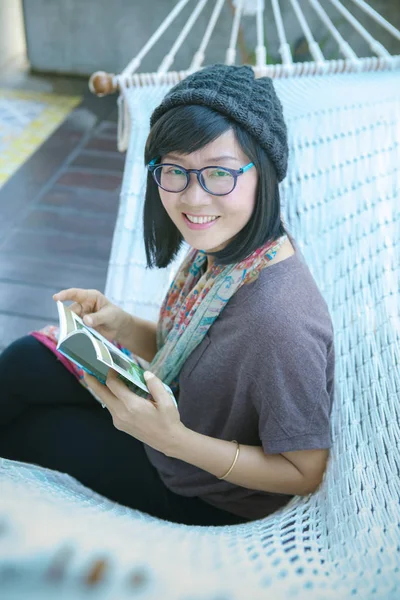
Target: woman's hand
(97, 311)
(156, 422)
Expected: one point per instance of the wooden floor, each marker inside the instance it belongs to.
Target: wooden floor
(57, 217)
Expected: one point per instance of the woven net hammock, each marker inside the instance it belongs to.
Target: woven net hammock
(341, 202)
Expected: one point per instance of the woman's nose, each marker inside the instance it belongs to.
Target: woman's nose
(195, 193)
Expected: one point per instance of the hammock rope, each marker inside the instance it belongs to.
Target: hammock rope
(136, 61)
(344, 46)
(257, 9)
(377, 18)
(231, 51)
(199, 56)
(344, 162)
(313, 45)
(170, 57)
(284, 48)
(102, 83)
(260, 50)
(340, 201)
(375, 46)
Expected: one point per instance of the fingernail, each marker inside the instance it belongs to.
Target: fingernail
(88, 320)
(148, 375)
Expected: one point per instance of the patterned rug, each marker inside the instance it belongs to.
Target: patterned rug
(27, 119)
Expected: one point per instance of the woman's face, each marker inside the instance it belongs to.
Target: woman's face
(233, 210)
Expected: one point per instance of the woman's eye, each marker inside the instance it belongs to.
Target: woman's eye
(220, 174)
(175, 172)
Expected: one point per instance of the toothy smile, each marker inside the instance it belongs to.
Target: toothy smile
(200, 220)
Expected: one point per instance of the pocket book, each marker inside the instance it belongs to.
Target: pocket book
(88, 349)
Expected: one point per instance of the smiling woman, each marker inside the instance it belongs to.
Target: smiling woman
(244, 206)
(218, 182)
(244, 337)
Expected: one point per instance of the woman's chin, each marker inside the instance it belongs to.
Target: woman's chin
(204, 247)
(193, 239)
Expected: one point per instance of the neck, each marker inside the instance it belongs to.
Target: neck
(210, 262)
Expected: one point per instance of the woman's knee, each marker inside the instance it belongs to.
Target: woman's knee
(15, 357)
(23, 354)
(14, 378)
(33, 371)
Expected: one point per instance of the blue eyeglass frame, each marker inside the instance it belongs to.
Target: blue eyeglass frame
(235, 172)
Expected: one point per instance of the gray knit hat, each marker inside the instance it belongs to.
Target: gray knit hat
(237, 94)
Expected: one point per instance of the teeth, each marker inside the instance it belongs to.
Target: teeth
(200, 219)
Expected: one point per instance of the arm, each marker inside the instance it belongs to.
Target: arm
(295, 473)
(157, 423)
(139, 336)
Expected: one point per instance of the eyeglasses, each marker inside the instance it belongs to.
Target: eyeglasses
(215, 180)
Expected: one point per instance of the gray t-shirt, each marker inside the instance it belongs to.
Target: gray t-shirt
(264, 376)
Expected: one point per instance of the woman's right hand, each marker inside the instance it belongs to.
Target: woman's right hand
(96, 311)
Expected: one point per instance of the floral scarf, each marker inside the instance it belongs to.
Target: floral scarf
(194, 300)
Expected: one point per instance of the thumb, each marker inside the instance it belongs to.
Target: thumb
(88, 320)
(157, 389)
(95, 319)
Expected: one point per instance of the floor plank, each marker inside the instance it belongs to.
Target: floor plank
(57, 218)
(47, 273)
(13, 327)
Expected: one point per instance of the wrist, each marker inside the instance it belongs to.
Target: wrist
(178, 441)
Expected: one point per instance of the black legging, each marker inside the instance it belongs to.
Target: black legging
(48, 418)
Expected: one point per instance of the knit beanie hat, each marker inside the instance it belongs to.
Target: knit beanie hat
(236, 93)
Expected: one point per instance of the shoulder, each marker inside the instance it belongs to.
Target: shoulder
(284, 298)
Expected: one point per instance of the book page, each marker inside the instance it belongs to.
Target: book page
(90, 350)
(74, 322)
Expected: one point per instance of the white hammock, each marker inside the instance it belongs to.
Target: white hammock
(341, 203)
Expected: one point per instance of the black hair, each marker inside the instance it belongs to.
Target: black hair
(188, 128)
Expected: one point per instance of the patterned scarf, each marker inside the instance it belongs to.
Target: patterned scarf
(193, 302)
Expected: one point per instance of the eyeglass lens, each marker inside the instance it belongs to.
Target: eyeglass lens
(173, 179)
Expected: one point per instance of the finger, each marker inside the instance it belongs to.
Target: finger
(118, 387)
(75, 294)
(62, 296)
(95, 319)
(65, 295)
(76, 308)
(157, 390)
(131, 400)
(105, 395)
(86, 298)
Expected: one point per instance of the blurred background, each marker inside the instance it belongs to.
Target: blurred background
(76, 37)
(60, 171)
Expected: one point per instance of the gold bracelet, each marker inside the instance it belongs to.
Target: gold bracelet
(234, 460)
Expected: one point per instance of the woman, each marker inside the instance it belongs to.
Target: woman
(244, 339)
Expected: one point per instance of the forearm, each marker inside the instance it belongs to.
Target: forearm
(254, 469)
(139, 336)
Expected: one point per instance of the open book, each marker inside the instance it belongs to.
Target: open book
(88, 349)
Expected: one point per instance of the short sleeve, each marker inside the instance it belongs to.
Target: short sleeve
(292, 389)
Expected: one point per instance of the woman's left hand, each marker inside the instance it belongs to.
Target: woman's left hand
(156, 421)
